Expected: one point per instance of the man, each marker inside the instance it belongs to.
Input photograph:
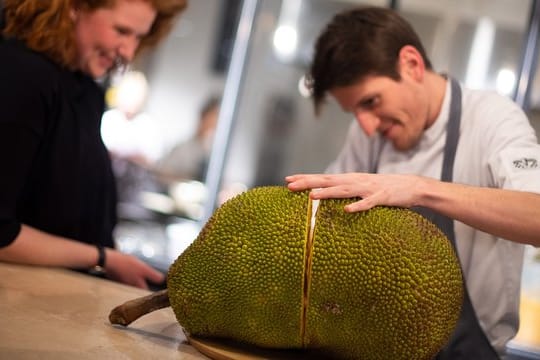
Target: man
(467, 159)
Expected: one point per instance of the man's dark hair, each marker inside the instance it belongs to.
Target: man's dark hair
(356, 43)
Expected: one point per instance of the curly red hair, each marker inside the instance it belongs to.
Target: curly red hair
(46, 26)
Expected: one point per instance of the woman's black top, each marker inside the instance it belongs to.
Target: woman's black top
(55, 172)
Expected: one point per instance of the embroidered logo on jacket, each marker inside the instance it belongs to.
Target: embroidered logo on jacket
(526, 163)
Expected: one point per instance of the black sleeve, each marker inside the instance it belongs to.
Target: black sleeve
(23, 106)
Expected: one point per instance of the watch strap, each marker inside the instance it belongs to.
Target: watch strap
(99, 268)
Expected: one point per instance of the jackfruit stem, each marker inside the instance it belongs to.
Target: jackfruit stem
(131, 310)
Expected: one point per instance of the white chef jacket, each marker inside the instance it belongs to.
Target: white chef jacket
(497, 148)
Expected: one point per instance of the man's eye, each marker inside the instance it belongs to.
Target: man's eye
(122, 31)
(369, 103)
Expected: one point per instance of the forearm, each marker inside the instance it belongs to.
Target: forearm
(509, 214)
(512, 215)
(35, 247)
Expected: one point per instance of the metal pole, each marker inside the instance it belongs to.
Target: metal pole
(529, 59)
(227, 113)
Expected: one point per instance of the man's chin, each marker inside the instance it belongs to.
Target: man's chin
(400, 146)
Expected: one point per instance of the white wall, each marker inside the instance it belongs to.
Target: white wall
(179, 71)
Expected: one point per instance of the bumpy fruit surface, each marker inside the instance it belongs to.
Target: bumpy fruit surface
(385, 284)
(380, 284)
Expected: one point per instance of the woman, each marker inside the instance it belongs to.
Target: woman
(57, 192)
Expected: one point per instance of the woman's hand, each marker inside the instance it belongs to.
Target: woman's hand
(130, 270)
(374, 189)
(36, 247)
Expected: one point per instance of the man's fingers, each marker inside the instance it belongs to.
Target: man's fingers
(357, 206)
(303, 182)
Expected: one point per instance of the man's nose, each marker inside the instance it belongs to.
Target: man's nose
(368, 121)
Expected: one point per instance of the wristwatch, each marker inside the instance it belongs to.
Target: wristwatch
(99, 268)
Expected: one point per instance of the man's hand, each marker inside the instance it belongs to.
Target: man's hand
(509, 214)
(374, 189)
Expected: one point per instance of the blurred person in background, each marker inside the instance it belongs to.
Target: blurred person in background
(467, 159)
(127, 130)
(57, 190)
(134, 141)
(188, 160)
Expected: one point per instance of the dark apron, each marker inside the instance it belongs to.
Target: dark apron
(468, 340)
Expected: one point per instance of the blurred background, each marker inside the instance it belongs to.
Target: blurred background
(220, 108)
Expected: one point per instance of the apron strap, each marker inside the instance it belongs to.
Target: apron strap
(468, 340)
(452, 136)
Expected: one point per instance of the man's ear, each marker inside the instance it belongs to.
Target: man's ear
(411, 63)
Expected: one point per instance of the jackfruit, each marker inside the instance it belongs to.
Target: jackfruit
(379, 284)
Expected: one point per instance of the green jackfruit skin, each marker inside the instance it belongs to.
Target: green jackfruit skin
(242, 277)
(382, 284)
(385, 284)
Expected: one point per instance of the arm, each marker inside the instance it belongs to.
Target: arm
(509, 214)
(35, 247)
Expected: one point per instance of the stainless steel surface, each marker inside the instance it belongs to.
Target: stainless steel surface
(229, 104)
(529, 58)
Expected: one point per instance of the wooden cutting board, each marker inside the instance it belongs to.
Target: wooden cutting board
(229, 350)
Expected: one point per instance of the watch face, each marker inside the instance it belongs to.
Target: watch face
(97, 271)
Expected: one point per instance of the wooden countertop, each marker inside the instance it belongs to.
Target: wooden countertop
(59, 314)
